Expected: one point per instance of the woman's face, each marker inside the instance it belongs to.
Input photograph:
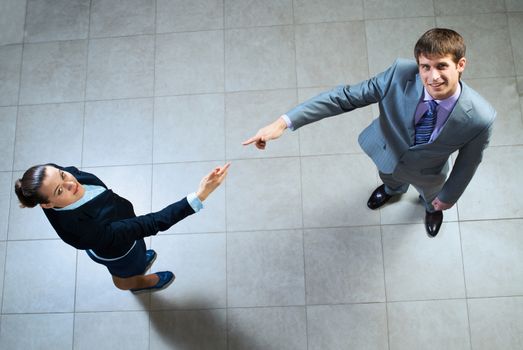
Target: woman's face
(60, 187)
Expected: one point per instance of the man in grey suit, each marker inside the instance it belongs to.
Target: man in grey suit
(426, 114)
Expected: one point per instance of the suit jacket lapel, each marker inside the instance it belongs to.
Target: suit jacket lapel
(92, 208)
(458, 118)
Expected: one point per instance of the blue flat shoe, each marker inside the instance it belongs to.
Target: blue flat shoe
(166, 278)
(150, 257)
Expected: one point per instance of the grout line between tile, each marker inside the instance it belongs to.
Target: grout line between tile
(153, 124)
(296, 95)
(87, 46)
(225, 184)
(465, 285)
(385, 286)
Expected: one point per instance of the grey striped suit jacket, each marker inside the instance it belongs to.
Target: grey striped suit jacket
(389, 138)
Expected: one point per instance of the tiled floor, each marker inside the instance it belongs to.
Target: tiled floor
(151, 94)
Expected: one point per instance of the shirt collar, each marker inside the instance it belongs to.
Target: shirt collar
(447, 103)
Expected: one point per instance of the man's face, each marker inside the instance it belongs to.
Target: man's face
(440, 75)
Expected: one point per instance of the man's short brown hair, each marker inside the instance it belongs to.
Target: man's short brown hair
(440, 42)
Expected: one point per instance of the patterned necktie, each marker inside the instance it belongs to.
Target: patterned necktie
(426, 124)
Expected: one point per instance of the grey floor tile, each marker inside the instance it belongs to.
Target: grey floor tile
(281, 328)
(247, 112)
(265, 268)
(188, 330)
(321, 60)
(493, 258)
(336, 189)
(3, 252)
(130, 182)
(418, 267)
(252, 13)
(496, 323)
(189, 128)
(336, 260)
(357, 326)
(50, 133)
(120, 18)
(120, 68)
(95, 290)
(189, 63)
(264, 194)
(50, 20)
(10, 64)
(111, 330)
(437, 324)
(503, 95)
(333, 135)
(37, 332)
(173, 182)
(310, 11)
(27, 223)
(491, 187)
(467, 7)
(180, 15)
(6, 191)
(7, 141)
(259, 58)
(520, 83)
(118, 132)
(12, 21)
(515, 26)
(33, 271)
(53, 72)
(198, 262)
(514, 5)
(389, 39)
(398, 9)
(488, 44)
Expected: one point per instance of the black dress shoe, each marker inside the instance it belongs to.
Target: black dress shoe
(378, 198)
(433, 222)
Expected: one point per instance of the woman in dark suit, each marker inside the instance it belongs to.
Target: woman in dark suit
(89, 216)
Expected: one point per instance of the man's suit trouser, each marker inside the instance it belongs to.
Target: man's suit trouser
(395, 186)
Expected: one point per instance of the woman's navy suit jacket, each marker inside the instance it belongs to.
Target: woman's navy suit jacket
(107, 223)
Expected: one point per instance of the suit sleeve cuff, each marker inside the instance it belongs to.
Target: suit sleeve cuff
(195, 202)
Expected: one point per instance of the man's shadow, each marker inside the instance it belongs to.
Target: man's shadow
(181, 326)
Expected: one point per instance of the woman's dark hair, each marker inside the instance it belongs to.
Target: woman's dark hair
(27, 188)
(440, 42)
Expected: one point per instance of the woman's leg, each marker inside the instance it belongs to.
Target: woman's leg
(136, 282)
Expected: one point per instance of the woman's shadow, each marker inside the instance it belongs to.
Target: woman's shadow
(179, 325)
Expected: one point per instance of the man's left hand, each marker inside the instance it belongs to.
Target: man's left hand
(439, 205)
